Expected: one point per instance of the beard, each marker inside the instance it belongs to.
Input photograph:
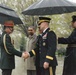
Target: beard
(31, 34)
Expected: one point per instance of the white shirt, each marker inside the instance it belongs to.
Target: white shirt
(45, 30)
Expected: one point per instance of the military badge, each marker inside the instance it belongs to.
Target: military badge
(44, 37)
(44, 43)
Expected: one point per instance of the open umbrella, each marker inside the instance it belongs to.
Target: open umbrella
(50, 7)
(7, 13)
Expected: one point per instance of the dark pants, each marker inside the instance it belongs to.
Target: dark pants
(31, 72)
(42, 71)
(6, 71)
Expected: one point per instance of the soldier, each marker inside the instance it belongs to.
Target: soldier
(31, 44)
(8, 51)
(45, 50)
(70, 58)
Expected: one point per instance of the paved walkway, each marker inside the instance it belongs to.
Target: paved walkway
(21, 68)
(59, 68)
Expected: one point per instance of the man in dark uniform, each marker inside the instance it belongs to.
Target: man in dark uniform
(70, 58)
(45, 50)
(7, 50)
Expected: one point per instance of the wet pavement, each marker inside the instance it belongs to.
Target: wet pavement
(21, 67)
(59, 68)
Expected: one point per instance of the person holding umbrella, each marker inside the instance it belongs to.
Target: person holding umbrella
(70, 57)
(45, 49)
(8, 51)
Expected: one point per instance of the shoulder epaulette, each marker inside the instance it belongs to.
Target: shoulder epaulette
(50, 30)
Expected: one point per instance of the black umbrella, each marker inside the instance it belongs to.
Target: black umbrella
(7, 13)
(50, 7)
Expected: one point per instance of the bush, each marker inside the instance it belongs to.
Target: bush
(22, 44)
(61, 52)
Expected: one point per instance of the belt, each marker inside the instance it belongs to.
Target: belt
(72, 45)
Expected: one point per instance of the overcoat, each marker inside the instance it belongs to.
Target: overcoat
(31, 44)
(70, 57)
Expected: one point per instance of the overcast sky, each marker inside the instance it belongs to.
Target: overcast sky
(73, 1)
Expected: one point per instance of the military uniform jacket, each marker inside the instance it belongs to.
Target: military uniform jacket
(7, 52)
(71, 48)
(46, 48)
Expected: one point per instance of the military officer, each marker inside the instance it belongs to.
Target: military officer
(8, 51)
(45, 50)
(70, 58)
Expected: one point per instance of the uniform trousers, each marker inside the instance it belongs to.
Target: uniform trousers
(42, 71)
(31, 72)
(6, 71)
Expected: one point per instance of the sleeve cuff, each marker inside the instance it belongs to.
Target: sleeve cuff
(33, 52)
(49, 57)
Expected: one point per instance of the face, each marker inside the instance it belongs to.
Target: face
(42, 25)
(31, 31)
(40, 31)
(10, 29)
(74, 24)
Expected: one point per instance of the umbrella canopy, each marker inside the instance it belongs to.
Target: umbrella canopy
(7, 13)
(4, 18)
(50, 7)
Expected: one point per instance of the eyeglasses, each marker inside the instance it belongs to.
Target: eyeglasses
(11, 28)
(30, 30)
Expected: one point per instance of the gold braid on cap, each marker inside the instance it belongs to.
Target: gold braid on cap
(9, 23)
(43, 21)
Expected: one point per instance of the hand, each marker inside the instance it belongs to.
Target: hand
(25, 55)
(46, 65)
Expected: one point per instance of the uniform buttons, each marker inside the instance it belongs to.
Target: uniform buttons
(40, 45)
(43, 40)
(39, 48)
(40, 52)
